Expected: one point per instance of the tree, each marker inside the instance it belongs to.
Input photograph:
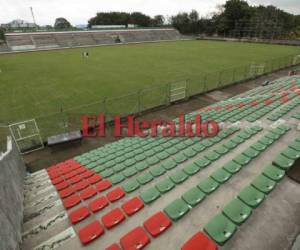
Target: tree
(2, 34)
(140, 19)
(158, 20)
(61, 23)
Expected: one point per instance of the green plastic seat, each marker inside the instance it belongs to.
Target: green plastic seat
(149, 153)
(266, 141)
(141, 166)
(263, 184)
(259, 146)
(222, 150)
(107, 173)
(180, 146)
(131, 186)
(191, 169)
(140, 157)
(251, 196)
(220, 175)
(220, 229)
(212, 156)
(169, 164)
(150, 195)
(283, 162)
(208, 185)
(117, 178)
(284, 127)
(152, 160)
(177, 209)
(230, 145)
(119, 167)
(291, 153)
(162, 155)
(189, 153)
(198, 147)
(207, 143)
(203, 162)
(157, 171)
(272, 136)
(295, 145)
(274, 173)
(278, 131)
(179, 158)
(238, 139)
(144, 178)
(172, 151)
(179, 177)
(165, 185)
(242, 159)
(99, 169)
(193, 196)
(237, 211)
(232, 167)
(129, 172)
(250, 152)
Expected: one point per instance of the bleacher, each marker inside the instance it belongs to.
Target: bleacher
(178, 193)
(48, 40)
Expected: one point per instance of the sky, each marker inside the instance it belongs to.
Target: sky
(79, 12)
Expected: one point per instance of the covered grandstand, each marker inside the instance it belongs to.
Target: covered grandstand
(51, 40)
(231, 191)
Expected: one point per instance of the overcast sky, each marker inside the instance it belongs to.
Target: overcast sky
(78, 11)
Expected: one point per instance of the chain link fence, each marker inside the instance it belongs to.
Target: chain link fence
(67, 120)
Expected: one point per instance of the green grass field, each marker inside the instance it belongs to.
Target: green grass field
(40, 83)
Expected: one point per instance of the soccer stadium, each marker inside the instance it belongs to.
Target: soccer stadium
(177, 131)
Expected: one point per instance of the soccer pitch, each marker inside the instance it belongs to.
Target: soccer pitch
(40, 83)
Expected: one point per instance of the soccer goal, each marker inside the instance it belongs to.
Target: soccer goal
(27, 136)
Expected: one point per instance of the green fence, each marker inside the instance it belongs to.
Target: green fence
(70, 119)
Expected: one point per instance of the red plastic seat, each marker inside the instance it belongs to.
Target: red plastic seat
(157, 224)
(66, 192)
(115, 194)
(103, 185)
(113, 247)
(98, 204)
(71, 201)
(79, 214)
(87, 174)
(94, 179)
(199, 242)
(81, 170)
(62, 185)
(135, 239)
(75, 179)
(132, 206)
(88, 193)
(113, 218)
(53, 175)
(70, 175)
(57, 180)
(81, 185)
(90, 232)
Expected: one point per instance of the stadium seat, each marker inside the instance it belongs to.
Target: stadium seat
(157, 224)
(179, 158)
(273, 173)
(81, 185)
(263, 184)
(98, 204)
(242, 159)
(144, 178)
(79, 214)
(203, 162)
(103, 185)
(259, 146)
(150, 195)
(251, 153)
(199, 241)
(193, 196)
(90, 232)
(131, 186)
(232, 167)
(230, 145)
(113, 218)
(222, 150)
(117, 178)
(178, 177)
(62, 185)
(237, 211)
(135, 239)
(157, 171)
(220, 229)
(221, 176)
(132, 206)
(66, 192)
(113, 247)
(87, 174)
(295, 145)
(88, 193)
(208, 185)
(115, 194)
(71, 201)
(191, 169)
(291, 153)
(212, 156)
(251, 196)
(169, 164)
(165, 185)
(283, 162)
(177, 209)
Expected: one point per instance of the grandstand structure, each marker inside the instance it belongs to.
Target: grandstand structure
(53, 40)
(230, 191)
